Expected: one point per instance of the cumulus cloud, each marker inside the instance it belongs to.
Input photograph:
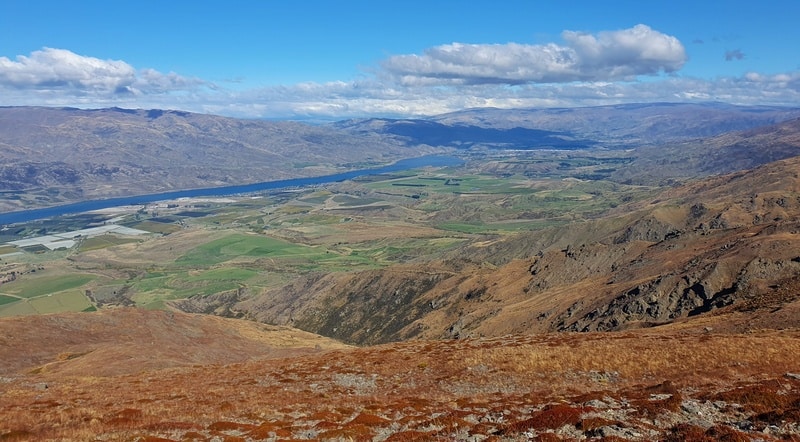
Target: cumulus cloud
(60, 68)
(607, 56)
(583, 71)
(735, 54)
(338, 100)
(65, 72)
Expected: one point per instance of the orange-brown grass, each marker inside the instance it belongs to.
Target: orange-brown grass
(694, 433)
(368, 420)
(497, 388)
(776, 398)
(644, 355)
(551, 417)
(410, 436)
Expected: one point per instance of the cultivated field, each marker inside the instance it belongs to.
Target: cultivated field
(209, 246)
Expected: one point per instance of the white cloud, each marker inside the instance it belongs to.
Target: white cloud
(586, 70)
(607, 56)
(60, 68)
(62, 72)
(375, 98)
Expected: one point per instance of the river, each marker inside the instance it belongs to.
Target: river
(85, 206)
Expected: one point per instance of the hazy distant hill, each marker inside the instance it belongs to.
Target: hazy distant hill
(729, 152)
(71, 154)
(464, 135)
(57, 155)
(629, 125)
(617, 126)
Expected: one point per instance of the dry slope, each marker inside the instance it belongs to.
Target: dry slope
(631, 386)
(128, 340)
(721, 245)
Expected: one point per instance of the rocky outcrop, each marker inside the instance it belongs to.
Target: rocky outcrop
(367, 307)
(219, 304)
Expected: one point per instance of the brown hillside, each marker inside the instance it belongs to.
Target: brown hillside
(715, 245)
(631, 386)
(124, 341)
(726, 153)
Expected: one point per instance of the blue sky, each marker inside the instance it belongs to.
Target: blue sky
(340, 59)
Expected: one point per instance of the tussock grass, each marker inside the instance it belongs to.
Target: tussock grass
(638, 357)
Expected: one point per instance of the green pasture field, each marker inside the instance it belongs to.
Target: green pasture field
(152, 290)
(103, 241)
(474, 227)
(222, 274)
(545, 204)
(318, 197)
(316, 219)
(7, 249)
(186, 280)
(156, 227)
(227, 263)
(184, 285)
(38, 286)
(291, 209)
(239, 245)
(242, 248)
(386, 252)
(351, 201)
(219, 219)
(7, 299)
(453, 184)
(68, 301)
(20, 308)
(172, 288)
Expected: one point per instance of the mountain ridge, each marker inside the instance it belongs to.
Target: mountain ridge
(53, 156)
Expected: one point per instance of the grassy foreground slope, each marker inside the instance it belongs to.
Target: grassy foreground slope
(172, 377)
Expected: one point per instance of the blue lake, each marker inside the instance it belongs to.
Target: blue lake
(85, 206)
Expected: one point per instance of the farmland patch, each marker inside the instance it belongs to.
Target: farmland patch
(38, 286)
(7, 299)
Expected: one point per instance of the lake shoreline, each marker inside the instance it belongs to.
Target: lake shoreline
(24, 216)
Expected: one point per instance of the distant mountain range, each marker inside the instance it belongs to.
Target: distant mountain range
(465, 136)
(725, 153)
(58, 155)
(53, 156)
(629, 125)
